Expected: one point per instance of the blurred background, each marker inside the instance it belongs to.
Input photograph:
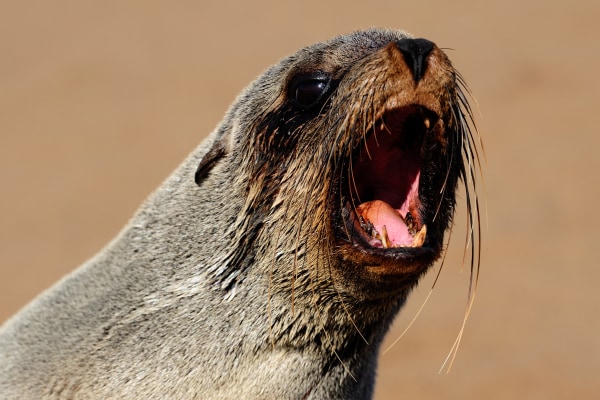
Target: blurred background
(99, 101)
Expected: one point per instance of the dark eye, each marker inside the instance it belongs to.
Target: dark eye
(307, 92)
(310, 92)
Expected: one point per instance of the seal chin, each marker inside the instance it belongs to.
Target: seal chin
(382, 212)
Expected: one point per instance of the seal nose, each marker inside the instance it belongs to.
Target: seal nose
(415, 52)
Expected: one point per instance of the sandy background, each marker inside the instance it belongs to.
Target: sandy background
(99, 101)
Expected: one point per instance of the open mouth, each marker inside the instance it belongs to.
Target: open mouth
(385, 208)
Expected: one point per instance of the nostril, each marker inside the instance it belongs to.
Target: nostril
(415, 52)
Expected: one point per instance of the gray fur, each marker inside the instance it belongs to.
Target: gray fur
(177, 306)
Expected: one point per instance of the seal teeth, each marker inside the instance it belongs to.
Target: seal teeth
(385, 240)
(427, 123)
(380, 235)
(419, 238)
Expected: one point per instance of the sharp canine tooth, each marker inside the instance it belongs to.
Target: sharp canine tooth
(419, 238)
(385, 241)
(427, 123)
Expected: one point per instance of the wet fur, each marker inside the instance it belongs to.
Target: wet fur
(243, 284)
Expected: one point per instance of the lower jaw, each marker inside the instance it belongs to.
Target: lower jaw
(359, 250)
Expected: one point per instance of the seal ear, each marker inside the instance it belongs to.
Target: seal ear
(209, 160)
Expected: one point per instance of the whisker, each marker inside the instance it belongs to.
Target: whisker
(472, 163)
(437, 276)
(331, 276)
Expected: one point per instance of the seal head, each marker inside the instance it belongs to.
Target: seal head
(354, 153)
(318, 202)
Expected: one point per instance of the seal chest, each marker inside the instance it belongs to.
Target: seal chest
(273, 260)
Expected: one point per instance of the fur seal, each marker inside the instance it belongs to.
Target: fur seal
(271, 263)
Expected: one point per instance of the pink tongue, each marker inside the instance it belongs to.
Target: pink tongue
(380, 213)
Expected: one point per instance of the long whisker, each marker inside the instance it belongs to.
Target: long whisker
(473, 240)
(437, 276)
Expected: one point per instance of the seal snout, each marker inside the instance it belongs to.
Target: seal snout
(415, 52)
